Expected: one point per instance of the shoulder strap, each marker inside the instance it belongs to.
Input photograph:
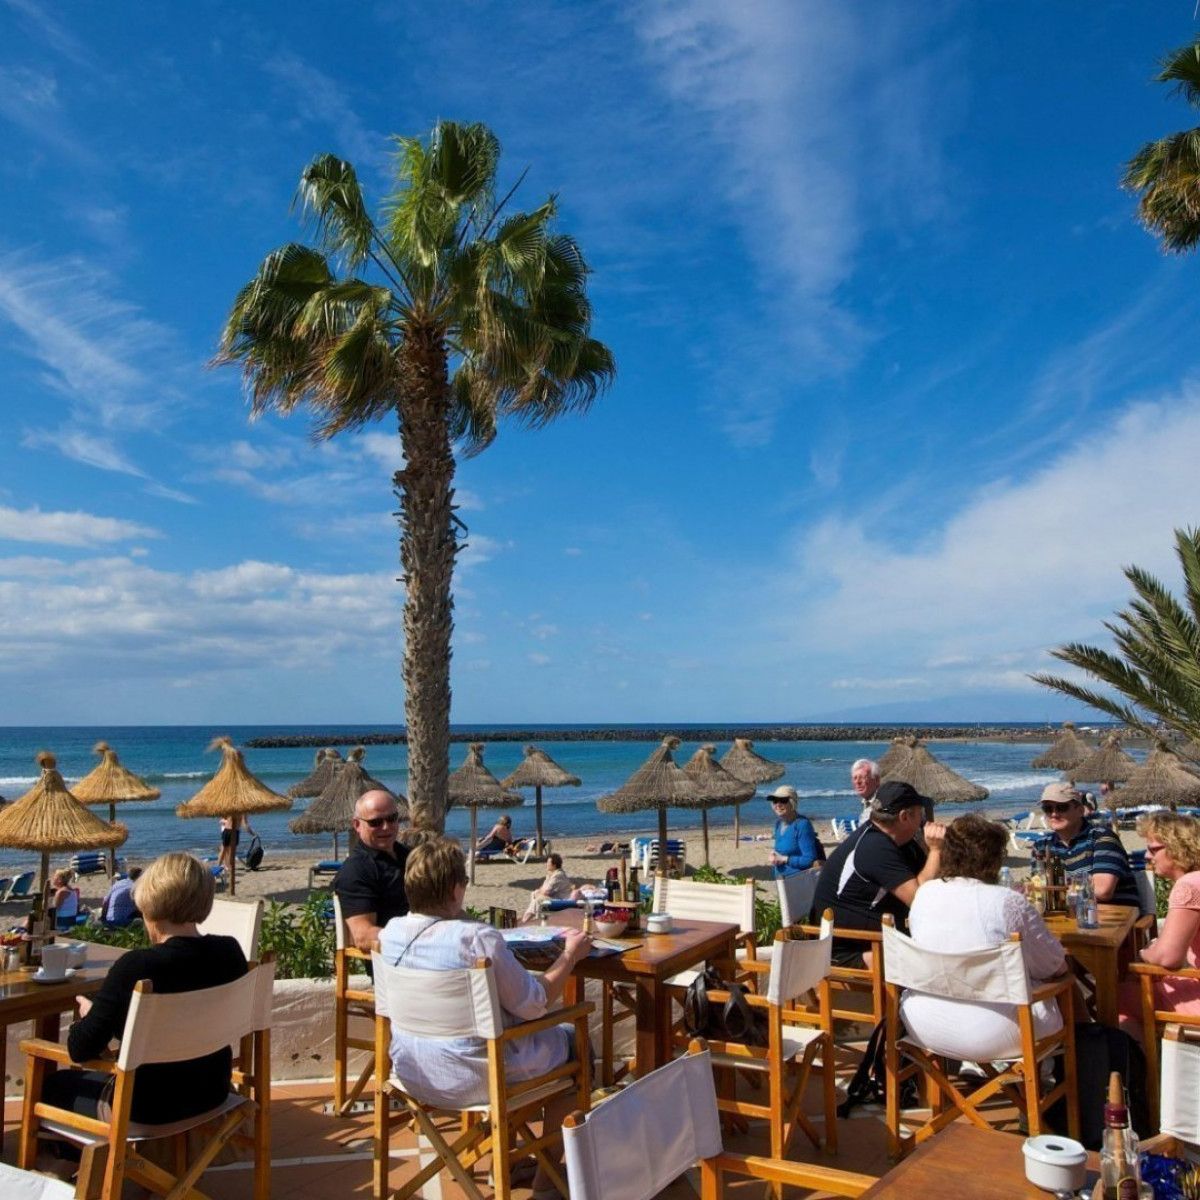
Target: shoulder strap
(423, 929)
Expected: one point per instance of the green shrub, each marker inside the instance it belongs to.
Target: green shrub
(128, 937)
(300, 936)
(1162, 891)
(767, 917)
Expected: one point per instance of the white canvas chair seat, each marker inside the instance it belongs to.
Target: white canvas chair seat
(796, 1041)
(238, 919)
(460, 1003)
(995, 975)
(137, 1131)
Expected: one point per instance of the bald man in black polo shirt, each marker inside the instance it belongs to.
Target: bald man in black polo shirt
(370, 885)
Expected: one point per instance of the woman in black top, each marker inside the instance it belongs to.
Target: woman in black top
(174, 894)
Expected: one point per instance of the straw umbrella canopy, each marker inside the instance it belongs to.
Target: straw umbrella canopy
(1108, 764)
(112, 784)
(657, 784)
(325, 767)
(49, 818)
(931, 777)
(474, 786)
(895, 755)
(720, 787)
(1161, 779)
(333, 810)
(1067, 752)
(538, 770)
(232, 792)
(742, 761)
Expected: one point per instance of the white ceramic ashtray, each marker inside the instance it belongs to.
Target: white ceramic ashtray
(1056, 1164)
(658, 923)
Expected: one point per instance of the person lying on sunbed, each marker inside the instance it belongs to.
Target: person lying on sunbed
(499, 839)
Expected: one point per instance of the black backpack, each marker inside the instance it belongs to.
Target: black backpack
(254, 853)
(869, 1085)
(734, 1021)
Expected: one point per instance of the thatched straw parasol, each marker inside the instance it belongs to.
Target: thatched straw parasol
(719, 786)
(112, 784)
(232, 792)
(742, 761)
(1161, 779)
(1068, 750)
(657, 784)
(895, 755)
(48, 818)
(538, 770)
(333, 810)
(1108, 764)
(476, 787)
(324, 768)
(932, 778)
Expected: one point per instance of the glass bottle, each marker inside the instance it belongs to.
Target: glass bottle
(633, 897)
(1089, 910)
(1119, 1172)
(1035, 889)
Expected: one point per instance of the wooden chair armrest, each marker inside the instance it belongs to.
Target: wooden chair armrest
(560, 1016)
(754, 966)
(1153, 969)
(872, 936)
(355, 952)
(1052, 987)
(804, 1175)
(56, 1052)
(720, 996)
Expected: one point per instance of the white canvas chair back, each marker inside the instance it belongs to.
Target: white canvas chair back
(706, 901)
(797, 966)
(996, 975)
(26, 1185)
(1147, 900)
(441, 1004)
(1180, 1091)
(633, 1145)
(339, 925)
(238, 919)
(796, 894)
(172, 1028)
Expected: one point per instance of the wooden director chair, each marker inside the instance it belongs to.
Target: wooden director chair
(799, 1036)
(1154, 1020)
(161, 1029)
(635, 1144)
(997, 975)
(464, 1003)
(865, 983)
(349, 1004)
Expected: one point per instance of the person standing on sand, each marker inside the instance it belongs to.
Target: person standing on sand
(370, 884)
(864, 778)
(231, 834)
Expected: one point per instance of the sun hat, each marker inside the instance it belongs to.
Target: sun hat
(895, 796)
(1060, 793)
(785, 793)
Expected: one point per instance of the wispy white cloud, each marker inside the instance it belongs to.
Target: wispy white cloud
(43, 21)
(68, 528)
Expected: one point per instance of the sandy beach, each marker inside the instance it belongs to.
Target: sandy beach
(284, 875)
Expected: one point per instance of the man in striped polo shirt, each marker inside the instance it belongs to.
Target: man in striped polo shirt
(1089, 846)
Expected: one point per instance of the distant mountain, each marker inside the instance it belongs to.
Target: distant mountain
(990, 707)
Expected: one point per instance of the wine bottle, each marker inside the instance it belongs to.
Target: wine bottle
(1119, 1172)
(633, 897)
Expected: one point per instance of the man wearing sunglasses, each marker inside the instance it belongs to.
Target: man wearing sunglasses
(1087, 846)
(370, 884)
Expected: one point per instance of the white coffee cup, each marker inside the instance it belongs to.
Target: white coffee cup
(54, 962)
(76, 953)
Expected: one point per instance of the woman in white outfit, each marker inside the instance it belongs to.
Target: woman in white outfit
(966, 909)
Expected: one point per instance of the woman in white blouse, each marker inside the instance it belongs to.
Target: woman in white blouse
(437, 935)
(966, 909)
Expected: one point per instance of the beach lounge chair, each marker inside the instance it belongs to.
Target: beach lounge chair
(676, 857)
(20, 887)
(89, 862)
(327, 868)
(674, 1111)
(160, 1028)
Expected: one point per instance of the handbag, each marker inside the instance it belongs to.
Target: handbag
(733, 1021)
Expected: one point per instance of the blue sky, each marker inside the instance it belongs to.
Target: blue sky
(901, 383)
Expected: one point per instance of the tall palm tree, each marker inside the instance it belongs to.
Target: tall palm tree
(1166, 172)
(1156, 674)
(449, 312)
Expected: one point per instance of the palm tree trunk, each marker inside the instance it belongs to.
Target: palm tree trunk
(427, 550)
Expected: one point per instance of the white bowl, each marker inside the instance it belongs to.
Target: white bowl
(611, 929)
(1056, 1164)
(658, 923)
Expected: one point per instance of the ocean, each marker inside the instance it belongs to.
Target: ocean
(173, 758)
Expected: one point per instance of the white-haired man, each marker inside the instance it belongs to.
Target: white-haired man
(864, 778)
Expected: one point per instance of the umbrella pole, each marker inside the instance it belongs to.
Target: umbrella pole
(335, 847)
(737, 824)
(704, 823)
(112, 850)
(538, 817)
(474, 817)
(44, 881)
(233, 871)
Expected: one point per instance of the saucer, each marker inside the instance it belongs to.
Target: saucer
(38, 977)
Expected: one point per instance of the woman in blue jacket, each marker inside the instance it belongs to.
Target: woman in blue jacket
(797, 846)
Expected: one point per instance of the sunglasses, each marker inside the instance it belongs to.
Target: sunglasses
(376, 822)
(1057, 810)
(1152, 849)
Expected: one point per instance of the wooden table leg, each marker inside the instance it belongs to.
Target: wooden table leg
(649, 998)
(1102, 966)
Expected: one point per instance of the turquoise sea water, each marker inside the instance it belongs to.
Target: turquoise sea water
(174, 759)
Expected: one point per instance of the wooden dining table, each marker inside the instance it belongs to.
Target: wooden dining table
(650, 960)
(24, 999)
(1104, 952)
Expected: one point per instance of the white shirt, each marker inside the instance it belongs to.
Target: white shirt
(955, 915)
(452, 1072)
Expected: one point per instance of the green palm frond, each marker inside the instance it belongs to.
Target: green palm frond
(330, 194)
(1182, 68)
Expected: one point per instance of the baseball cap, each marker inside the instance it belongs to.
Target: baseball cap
(1060, 793)
(894, 797)
(784, 792)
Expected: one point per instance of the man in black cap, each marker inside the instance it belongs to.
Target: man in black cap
(879, 867)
